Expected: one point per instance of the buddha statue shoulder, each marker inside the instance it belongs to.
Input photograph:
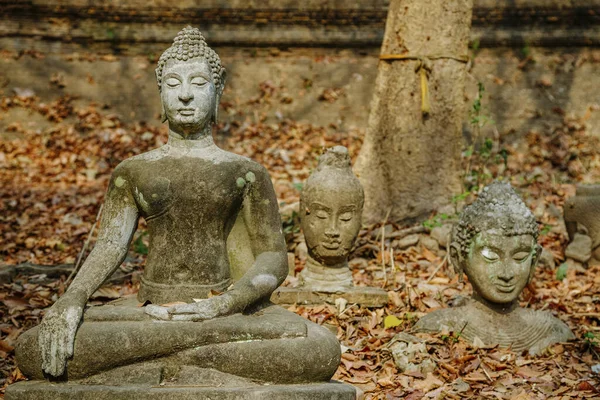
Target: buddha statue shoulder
(191, 313)
(495, 245)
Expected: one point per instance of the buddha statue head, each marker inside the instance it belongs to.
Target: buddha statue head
(331, 206)
(495, 245)
(190, 80)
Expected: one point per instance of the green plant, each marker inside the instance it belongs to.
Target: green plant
(480, 153)
(561, 272)
(290, 224)
(591, 342)
(436, 220)
(475, 46)
(139, 246)
(452, 337)
(546, 229)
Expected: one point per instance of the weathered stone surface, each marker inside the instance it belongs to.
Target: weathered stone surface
(216, 254)
(580, 248)
(495, 245)
(429, 243)
(547, 259)
(63, 391)
(272, 23)
(410, 354)
(408, 241)
(331, 206)
(365, 296)
(582, 215)
(442, 234)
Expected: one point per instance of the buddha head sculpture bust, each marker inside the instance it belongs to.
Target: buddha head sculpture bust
(331, 206)
(495, 245)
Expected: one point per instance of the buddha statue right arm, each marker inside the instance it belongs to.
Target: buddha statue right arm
(59, 325)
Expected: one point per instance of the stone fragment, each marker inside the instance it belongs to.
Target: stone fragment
(580, 248)
(429, 243)
(408, 241)
(410, 354)
(442, 234)
(582, 215)
(358, 263)
(362, 295)
(547, 259)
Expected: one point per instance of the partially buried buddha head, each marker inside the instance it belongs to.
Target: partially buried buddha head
(331, 207)
(190, 80)
(495, 244)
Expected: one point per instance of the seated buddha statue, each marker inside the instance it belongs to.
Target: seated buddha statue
(495, 245)
(193, 310)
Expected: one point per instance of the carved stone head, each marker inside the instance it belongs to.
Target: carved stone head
(190, 80)
(495, 244)
(331, 206)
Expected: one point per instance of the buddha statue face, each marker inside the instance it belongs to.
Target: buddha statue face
(190, 79)
(500, 266)
(331, 223)
(495, 245)
(188, 95)
(331, 208)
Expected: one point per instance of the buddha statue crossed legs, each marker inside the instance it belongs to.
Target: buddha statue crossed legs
(191, 193)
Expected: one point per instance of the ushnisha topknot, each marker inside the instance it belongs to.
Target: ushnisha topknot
(497, 207)
(333, 172)
(189, 43)
(337, 157)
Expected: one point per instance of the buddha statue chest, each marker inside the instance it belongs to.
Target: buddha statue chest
(190, 205)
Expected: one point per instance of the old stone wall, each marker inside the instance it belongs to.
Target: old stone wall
(115, 24)
(106, 54)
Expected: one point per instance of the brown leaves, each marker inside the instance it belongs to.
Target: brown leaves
(54, 180)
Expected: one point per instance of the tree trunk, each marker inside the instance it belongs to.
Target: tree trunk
(410, 161)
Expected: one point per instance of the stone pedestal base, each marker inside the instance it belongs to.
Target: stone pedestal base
(364, 296)
(38, 390)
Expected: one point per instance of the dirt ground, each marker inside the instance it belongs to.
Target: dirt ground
(57, 154)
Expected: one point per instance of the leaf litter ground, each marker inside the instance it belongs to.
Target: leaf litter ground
(53, 182)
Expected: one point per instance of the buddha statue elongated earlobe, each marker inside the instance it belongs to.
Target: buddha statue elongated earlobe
(534, 261)
(163, 113)
(457, 260)
(220, 87)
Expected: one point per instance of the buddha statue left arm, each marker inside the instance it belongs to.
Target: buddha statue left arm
(263, 222)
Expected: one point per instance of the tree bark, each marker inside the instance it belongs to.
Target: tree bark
(410, 162)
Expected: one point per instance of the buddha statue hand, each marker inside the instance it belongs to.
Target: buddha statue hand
(57, 332)
(199, 311)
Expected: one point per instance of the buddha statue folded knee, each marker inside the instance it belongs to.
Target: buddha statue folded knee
(192, 195)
